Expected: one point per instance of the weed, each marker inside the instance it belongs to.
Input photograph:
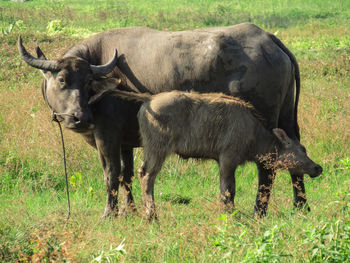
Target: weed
(345, 164)
(76, 180)
(232, 238)
(55, 27)
(331, 242)
(113, 254)
(7, 30)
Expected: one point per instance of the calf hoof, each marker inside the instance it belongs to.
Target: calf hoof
(153, 219)
(125, 210)
(151, 215)
(110, 213)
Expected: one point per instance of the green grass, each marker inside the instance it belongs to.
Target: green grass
(192, 227)
(93, 16)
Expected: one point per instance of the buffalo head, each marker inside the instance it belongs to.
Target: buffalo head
(293, 155)
(66, 87)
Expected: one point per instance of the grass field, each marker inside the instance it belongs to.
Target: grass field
(191, 227)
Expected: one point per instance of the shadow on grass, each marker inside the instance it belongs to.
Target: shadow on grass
(175, 199)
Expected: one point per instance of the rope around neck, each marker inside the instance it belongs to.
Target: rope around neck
(54, 118)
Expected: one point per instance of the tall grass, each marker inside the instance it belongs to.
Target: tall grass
(192, 227)
(97, 15)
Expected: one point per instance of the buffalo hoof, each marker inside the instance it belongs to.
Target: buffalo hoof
(260, 212)
(259, 215)
(227, 208)
(302, 206)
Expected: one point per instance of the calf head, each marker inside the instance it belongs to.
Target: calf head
(293, 155)
(66, 86)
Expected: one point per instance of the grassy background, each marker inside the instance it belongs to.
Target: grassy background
(192, 227)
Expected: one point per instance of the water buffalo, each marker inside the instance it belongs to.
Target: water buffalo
(241, 60)
(213, 126)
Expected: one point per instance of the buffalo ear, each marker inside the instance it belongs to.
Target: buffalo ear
(39, 52)
(282, 136)
(40, 55)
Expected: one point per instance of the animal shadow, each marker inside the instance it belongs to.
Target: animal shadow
(176, 199)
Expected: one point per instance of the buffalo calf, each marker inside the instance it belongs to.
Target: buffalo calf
(218, 127)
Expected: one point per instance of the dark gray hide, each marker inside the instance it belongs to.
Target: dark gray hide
(241, 60)
(214, 126)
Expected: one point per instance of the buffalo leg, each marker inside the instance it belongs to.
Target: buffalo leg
(127, 175)
(110, 158)
(287, 123)
(227, 182)
(299, 191)
(266, 178)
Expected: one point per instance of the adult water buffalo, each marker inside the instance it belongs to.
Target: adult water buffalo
(241, 60)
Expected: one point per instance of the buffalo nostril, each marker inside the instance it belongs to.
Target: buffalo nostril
(81, 118)
(76, 120)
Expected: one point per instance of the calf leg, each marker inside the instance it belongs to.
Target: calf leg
(227, 182)
(147, 175)
(266, 178)
(127, 175)
(299, 191)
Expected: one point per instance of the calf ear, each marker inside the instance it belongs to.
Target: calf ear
(121, 75)
(100, 87)
(282, 136)
(101, 84)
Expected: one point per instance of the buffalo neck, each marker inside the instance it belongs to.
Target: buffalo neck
(80, 51)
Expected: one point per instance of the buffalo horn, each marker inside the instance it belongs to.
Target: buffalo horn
(106, 68)
(49, 65)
